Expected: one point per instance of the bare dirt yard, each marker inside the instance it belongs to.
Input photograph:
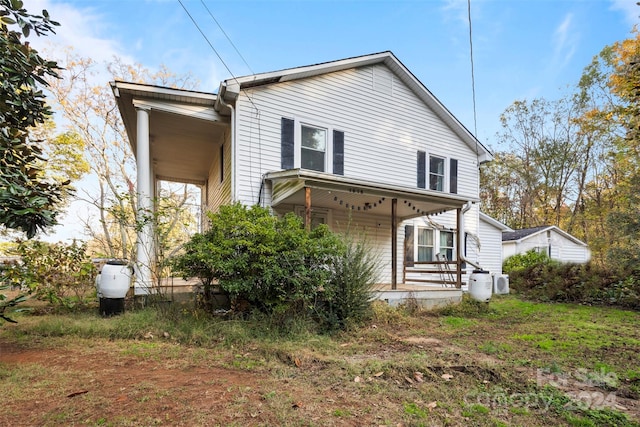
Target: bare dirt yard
(450, 368)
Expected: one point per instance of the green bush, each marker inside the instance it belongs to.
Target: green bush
(346, 299)
(528, 259)
(58, 273)
(278, 267)
(272, 263)
(577, 283)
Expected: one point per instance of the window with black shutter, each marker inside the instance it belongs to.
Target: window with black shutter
(422, 158)
(287, 146)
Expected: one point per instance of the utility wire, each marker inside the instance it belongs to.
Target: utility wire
(227, 36)
(473, 80)
(216, 52)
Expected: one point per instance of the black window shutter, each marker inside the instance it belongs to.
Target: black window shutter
(338, 152)
(287, 148)
(453, 176)
(408, 245)
(422, 163)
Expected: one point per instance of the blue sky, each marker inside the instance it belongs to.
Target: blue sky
(522, 48)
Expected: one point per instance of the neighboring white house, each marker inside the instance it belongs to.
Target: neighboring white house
(358, 142)
(549, 239)
(491, 232)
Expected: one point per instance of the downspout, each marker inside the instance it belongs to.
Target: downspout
(233, 145)
(461, 235)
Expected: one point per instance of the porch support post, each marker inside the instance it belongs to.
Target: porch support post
(307, 208)
(394, 243)
(459, 249)
(144, 244)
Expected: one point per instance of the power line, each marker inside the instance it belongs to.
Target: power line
(473, 80)
(228, 38)
(216, 52)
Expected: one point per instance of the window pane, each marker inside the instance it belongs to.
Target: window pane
(312, 159)
(447, 244)
(436, 173)
(425, 253)
(446, 239)
(314, 138)
(425, 236)
(436, 165)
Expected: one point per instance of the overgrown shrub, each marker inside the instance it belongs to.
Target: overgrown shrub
(526, 260)
(272, 263)
(277, 266)
(58, 273)
(346, 299)
(578, 283)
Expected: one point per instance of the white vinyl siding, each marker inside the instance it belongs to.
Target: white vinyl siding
(380, 142)
(491, 247)
(563, 249)
(218, 187)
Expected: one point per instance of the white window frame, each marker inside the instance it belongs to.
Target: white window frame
(437, 248)
(323, 213)
(417, 245)
(444, 248)
(445, 172)
(297, 144)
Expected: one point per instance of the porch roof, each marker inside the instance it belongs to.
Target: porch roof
(362, 196)
(184, 128)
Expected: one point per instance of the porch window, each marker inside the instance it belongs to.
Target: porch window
(447, 244)
(425, 244)
(318, 216)
(436, 173)
(313, 148)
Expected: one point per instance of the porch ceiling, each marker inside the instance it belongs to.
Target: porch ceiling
(185, 132)
(340, 193)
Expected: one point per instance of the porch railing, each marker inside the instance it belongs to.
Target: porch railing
(442, 272)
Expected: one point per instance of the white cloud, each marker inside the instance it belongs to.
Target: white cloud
(629, 8)
(565, 41)
(82, 28)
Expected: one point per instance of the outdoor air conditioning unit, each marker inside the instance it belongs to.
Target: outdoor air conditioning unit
(501, 284)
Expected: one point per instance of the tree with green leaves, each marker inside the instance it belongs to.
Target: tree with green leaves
(29, 201)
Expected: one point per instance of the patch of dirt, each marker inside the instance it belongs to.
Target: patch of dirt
(108, 386)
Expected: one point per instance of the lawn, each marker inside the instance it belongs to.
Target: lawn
(507, 363)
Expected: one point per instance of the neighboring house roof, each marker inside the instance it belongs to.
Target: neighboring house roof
(231, 88)
(524, 233)
(494, 222)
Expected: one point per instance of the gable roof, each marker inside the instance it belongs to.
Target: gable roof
(231, 88)
(524, 233)
(494, 222)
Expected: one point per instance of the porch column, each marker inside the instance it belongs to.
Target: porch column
(144, 242)
(307, 208)
(394, 244)
(459, 226)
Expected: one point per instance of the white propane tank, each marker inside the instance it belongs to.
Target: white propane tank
(480, 285)
(115, 279)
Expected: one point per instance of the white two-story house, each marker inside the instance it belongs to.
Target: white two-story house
(359, 142)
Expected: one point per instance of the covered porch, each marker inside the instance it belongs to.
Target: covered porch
(385, 206)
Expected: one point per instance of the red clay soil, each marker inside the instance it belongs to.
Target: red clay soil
(106, 386)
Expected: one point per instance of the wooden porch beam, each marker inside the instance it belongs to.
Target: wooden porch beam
(307, 208)
(394, 243)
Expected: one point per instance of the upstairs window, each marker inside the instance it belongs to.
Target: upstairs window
(436, 173)
(313, 148)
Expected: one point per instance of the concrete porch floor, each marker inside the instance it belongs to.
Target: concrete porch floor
(427, 297)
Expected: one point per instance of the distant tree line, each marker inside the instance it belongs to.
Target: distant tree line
(575, 162)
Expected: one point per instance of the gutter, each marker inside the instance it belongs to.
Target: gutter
(461, 236)
(220, 99)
